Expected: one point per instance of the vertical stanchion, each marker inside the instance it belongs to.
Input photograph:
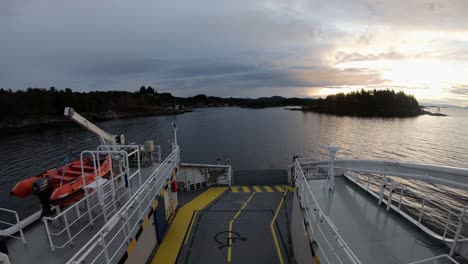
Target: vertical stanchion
(46, 225)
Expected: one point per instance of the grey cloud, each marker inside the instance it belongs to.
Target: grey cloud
(356, 56)
(222, 47)
(461, 89)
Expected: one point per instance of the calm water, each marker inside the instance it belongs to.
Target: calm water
(250, 138)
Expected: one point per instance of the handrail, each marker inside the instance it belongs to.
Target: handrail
(17, 224)
(137, 205)
(433, 260)
(108, 208)
(454, 177)
(420, 210)
(321, 217)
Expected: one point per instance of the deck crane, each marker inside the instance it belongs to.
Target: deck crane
(104, 137)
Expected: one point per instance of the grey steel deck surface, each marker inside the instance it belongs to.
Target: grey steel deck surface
(208, 237)
(375, 235)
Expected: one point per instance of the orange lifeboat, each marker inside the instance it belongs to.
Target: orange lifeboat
(65, 184)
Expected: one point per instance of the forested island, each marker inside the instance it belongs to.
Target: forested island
(372, 103)
(37, 106)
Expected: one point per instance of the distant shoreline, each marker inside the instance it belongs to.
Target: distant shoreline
(31, 123)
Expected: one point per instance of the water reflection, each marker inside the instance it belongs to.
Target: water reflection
(250, 138)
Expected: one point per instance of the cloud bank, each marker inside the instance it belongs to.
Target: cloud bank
(232, 48)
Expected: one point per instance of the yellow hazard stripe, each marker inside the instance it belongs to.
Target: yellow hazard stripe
(131, 246)
(279, 188)
(235, 189)
(268, 189)
(245, 189)
(257, 189)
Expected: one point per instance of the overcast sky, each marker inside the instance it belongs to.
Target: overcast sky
(238, 48)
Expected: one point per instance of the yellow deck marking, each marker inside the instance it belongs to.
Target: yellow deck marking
(279, 188)
(289, 188)
(229, 255)
(131, 246)
(268, 189)
(190, 227)
(245, 189)
(145, 222)
(316, 259)
(234, 189)
(257, 189)
(169, 248)
(272, 227)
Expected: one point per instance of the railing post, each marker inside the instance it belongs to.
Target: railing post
(421, 211)
(139, 171)
(102, 243)
(389, 199)
(44, 220)
(446, 225)
(123, 217)
(401, 198)
(463, 217)
(331, 170)
(77, 211)
(20, 228)
(368, 182)
(68, 228)
(382, 188)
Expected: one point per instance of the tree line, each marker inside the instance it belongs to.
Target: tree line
(43, 102)
(381, 103)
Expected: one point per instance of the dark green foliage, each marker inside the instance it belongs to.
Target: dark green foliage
(39, 103)
(380, 103)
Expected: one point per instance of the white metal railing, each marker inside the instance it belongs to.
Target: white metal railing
(97, 206)
(447, 228)
(442, 259)
(5, 222)
(111, 241)
(441, 228)
(331, 246)
(225, 179)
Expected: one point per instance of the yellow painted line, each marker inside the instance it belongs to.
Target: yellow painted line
(289, 188)
(273, 232)
(245, 189)
(316, 259)
(132, 245)
(268, 189)
(229, 255)
(257, 189)
(235, 189)
(190, 228)
(169, 248)
(279, 188)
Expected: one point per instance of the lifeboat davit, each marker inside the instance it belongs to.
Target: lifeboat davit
(65, 184)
